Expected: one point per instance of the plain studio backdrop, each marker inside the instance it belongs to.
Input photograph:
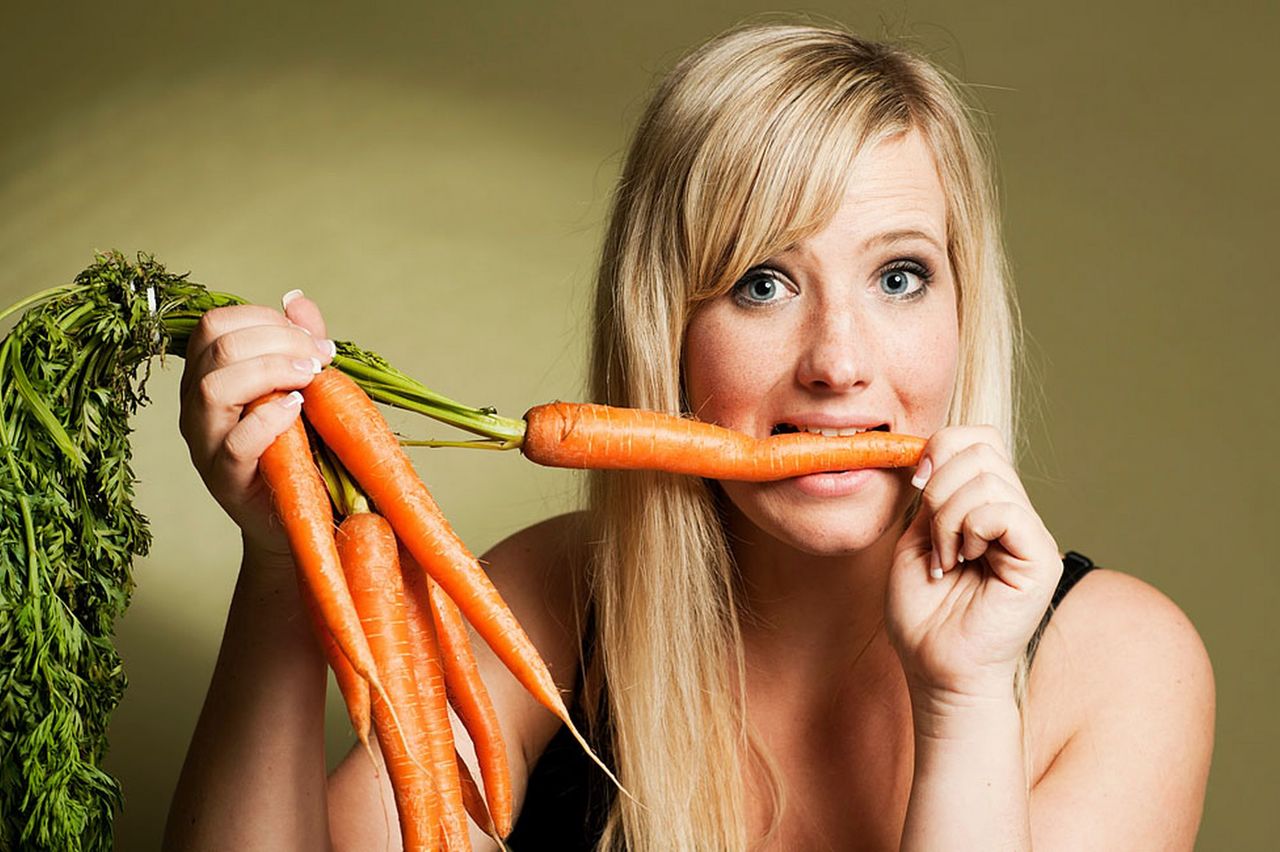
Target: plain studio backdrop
(437, 179)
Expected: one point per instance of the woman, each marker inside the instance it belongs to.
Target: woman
(805, 236)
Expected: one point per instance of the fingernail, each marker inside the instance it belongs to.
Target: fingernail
(959, 558)
(923, 472)
(310, 366)
(293, 400)
(328, 347)
(935, 565)
(289, 297)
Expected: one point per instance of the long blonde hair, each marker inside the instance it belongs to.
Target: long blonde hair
(743, 150)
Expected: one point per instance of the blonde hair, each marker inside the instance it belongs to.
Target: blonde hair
(743, 150)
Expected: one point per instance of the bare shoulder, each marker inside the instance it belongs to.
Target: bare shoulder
(1122, 701)
(1116, 635)
(536, 570)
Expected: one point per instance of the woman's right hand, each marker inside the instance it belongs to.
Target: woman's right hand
(236, 355)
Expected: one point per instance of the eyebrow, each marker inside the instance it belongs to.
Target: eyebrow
(885, 238)
(901, 236)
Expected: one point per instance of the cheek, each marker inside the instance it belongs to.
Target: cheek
(921, 367)
(724, 371)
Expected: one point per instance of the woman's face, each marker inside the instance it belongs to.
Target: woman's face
(854, 327)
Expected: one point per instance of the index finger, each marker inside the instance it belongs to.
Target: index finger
(302, 311)
(219, 321)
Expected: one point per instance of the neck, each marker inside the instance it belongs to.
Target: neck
(820, 616)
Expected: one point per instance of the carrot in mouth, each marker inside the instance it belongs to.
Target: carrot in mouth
(584, 435)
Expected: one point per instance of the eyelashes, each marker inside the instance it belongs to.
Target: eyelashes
(755, 289)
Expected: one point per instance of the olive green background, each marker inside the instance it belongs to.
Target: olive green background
(437, 179)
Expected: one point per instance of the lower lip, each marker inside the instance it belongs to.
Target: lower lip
(833, 484)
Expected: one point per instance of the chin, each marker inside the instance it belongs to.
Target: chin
(824, 528)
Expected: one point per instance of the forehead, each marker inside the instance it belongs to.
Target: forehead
(893, 187)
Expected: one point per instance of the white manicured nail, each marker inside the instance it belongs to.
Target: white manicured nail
(289, 297)
(293, 400)
(310, 366)
(935, 565)
(328, 347)
(923, 472)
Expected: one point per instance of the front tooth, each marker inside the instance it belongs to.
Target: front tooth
(833, 433)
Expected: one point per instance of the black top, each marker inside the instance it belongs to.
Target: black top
(569, 797)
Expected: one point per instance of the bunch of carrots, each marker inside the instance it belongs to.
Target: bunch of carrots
(390, 590)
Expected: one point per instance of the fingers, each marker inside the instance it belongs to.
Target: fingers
(218, 322)
(1015, 527)
(237, 355)
(213, 405)
(303, 312)
(236, 457)
(973, 497)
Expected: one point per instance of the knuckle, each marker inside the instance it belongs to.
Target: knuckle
(242, 444)
(222, 351)
(991, 484)
(210, 390)
(944, 522)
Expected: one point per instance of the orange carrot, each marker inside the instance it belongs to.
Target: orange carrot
(583, 435)
(429, 668)
(470, 700)
(368, 550)
(354, 689)
(351, 425)
(302, 504)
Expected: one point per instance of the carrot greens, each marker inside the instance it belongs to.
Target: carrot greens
(72, 370)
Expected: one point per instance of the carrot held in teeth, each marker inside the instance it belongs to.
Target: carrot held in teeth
(587, 435)
(584, 435)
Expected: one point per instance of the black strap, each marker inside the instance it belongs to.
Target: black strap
(1074, 566)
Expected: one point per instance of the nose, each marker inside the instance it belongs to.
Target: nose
(834, 353)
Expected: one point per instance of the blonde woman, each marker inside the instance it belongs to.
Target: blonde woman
(805, 236)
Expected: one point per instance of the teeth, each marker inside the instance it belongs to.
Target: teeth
(833, 433)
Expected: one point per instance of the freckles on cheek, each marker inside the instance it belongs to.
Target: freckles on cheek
(714, 365)
(925, 376)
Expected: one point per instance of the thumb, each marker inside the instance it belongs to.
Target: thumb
(303, 312)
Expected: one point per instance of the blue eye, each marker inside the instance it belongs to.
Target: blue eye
(758, 287)
(905, 280)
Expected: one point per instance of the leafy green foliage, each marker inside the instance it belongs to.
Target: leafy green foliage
(72, 371)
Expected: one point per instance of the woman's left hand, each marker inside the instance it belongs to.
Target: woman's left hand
(960, 634)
